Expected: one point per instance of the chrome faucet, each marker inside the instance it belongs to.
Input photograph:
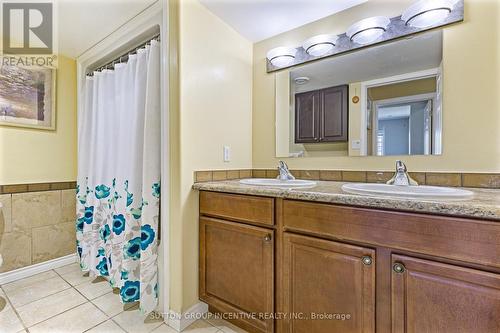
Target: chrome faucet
(285, 174)
(401, 177)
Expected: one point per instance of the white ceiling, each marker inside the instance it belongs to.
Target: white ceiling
(83, 23)
(257, 20)
(408, 55)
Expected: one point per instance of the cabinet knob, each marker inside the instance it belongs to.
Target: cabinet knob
(367, 260)
(398, 268)
(267, 238)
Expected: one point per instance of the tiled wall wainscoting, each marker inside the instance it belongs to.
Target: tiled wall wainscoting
(479, 180)
(36, 226)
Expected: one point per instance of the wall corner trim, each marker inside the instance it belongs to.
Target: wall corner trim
(27, 271)
(179, 322)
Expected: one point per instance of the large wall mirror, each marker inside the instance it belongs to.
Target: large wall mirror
(380, 101)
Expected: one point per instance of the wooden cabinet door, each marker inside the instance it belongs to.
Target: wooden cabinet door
(331, 279)
(333, 114)
(307, 107)
(237, 271)
(430, 297)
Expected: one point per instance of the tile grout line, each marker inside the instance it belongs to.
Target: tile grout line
(14, 309)
(113, 320)
(71, 287)
(109, 317)
(88, 300)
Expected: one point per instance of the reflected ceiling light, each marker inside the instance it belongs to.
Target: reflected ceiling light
(368, 30)
(301, 80)
(320, 45)
(426, 13)
(281, 56)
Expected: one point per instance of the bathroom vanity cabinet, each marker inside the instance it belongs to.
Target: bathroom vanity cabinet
(331, 268)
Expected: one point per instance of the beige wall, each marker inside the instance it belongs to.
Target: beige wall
(470, 96)
(215, 98)
(402, 89)
(37, 156)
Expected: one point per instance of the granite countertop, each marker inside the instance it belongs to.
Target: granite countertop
(485, 204)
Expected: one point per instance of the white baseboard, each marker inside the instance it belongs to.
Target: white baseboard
(180, 321)
(27, 271)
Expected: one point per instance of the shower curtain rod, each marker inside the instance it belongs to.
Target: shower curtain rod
(124, 56)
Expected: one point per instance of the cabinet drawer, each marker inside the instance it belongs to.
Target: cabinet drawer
(246, 208)
(460, 239)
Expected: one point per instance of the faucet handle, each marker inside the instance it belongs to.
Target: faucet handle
(282, 165)
(400, 166)
(401, 177)
(284, 173)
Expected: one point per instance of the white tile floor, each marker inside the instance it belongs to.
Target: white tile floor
(64, 300)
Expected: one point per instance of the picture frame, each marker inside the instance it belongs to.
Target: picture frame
(28, 97)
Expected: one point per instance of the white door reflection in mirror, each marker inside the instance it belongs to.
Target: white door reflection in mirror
(403, 116)
(403, 126)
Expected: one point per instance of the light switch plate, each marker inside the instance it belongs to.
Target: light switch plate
(356, 144)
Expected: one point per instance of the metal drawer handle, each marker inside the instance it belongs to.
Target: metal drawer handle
(367, 260)
(267, 238)
(398, 268)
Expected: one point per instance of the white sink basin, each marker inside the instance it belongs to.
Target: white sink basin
(411, 192)
(271, 182)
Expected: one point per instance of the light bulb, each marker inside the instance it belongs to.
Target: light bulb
(368, 30)
(281, 56)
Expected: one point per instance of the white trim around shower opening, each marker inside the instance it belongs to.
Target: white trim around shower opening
(146, 23)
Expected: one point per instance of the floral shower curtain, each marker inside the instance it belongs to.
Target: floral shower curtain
(118, 189)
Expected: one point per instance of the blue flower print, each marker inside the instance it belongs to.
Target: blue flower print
(79, 224)
(102, 266)
(124, 275)
(130, 291)
(102, 191)
(105, 232)
(88, 215)
(136, 212)
(118, 223)
(79, 250)
(133, 248)
(156, 190)
(82, 199)
(147, 236)
(130, 196)
(77, 188)
(100, 252)
(130, 199)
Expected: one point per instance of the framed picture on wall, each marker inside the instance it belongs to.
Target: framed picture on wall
(27, 97)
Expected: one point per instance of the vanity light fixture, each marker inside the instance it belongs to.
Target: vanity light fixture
(281, 56)
(422, 15)
(320, 45)
(426, 13)
(368, 30)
